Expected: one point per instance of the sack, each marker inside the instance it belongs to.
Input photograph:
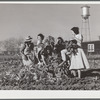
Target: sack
(27, 62)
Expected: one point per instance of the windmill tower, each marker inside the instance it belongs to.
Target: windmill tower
(85, 29)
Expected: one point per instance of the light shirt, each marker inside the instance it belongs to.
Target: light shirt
(79, 39)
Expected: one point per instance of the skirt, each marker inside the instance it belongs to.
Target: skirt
(28, 60)
(79, 61)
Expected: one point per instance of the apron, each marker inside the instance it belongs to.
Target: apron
(28, 58)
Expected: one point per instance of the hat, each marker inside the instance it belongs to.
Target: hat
(29, 38)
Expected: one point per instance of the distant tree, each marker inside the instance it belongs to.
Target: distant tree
(20, 41)
(12, 44)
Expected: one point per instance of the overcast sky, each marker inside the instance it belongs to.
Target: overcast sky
(21, 20)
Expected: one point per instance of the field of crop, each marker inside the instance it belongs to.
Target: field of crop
(14, 76)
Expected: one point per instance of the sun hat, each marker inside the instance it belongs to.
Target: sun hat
(29, 38)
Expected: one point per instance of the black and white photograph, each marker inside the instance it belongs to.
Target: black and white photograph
(50, 46)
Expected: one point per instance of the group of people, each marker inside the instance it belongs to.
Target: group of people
(64, 49)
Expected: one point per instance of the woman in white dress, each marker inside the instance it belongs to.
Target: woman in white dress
(78, 60)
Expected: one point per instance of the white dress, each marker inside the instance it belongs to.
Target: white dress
(79, 61)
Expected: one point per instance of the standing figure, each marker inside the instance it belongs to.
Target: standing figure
(59, 46)
(46, 54)
(27, 51)
(40, 47)
(78, 58)
(65, 54)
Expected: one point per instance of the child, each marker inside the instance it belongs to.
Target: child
(65, 54)
(27, 52)
(40, 47)
(59, 46)
(46, 53)
(78, 58)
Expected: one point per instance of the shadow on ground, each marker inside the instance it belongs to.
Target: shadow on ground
(91, 72)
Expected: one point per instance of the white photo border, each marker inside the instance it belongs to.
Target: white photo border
(49, 94)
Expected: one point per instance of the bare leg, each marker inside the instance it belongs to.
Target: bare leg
(63, 56)
(79, 73)
(73, 72)
(43, 59)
